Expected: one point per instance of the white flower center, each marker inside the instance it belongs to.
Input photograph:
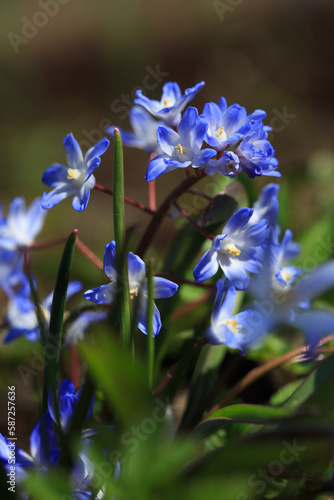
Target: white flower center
(220, 134)
(76, 175)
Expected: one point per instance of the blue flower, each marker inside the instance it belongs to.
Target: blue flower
(144, 135)
(106, 294)
(227, 126)
(67, 401)
(22, 460)
(77, 179)
(255, 152)
(281, 299)
(21, 226)
(44, 447)
(227, 329)
(227, 164)
(181, 149)
(75, 331)
(172, 102)
(235, 250)
(21, 313)
(11, 270)
(266, 206)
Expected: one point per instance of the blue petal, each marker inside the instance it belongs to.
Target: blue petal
(73, 152)
(207, 266)
(164, 288)
(316, 324)
(96, 151)
(58, 194)
(55, 174)
(157, 167)
(103, 294)
(187, 124)
(255, 234)
(35, 216)
(136, 270)
(202, 157)
(319, 281)
(80, 199)
(142, 318)
(229, 301)
(238, 221)
(167, 139)
(109, 261)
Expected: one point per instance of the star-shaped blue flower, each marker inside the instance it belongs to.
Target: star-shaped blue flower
(172, 102)
(235, 250)
(181, 149)
(144, 134)
(106, 294)
(224, 328)
(22, 224)
(77, 179)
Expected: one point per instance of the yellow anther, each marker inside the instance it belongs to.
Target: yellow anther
(167, 102)
(233, 325)
(286, 276)
(233, 250)
(133, 294)
(73, 174)
(180, 149)
(221, 134)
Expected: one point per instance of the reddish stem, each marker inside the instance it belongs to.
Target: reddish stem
(161, 211)
(261, 370)
(130, 201)
(192, 222)
(151, 196)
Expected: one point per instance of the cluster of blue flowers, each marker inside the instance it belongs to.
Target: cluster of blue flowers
(45, 449)
(248, 255)
(238, 141)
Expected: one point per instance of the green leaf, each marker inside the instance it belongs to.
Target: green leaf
(119, 228)
(316, 392)
(150, 338)
(253, 414)
(218, 211)
(122, 379)
(52, 484)
(54, 339)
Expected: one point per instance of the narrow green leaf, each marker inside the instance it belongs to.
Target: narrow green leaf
(150, 338)
(253, 414)
(58, 308)
(119, 229)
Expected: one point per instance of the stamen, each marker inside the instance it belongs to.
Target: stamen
(180, 149)
(167, 102)
(233, 325)
(73, 174)
(286, 276)
(133, 294)
(233, 250)
(221, 134)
